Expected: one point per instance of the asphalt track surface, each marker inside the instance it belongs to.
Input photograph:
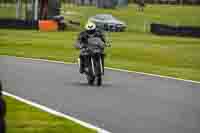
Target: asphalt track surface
(126, 103)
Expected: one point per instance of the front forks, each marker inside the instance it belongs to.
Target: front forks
(100, 65)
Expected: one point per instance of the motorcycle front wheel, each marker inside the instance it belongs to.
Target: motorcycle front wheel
(99, 80)
(90, 79)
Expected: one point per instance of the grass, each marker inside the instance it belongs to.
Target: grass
(9, 11)
(135, 49)
(171, 56)
(139, 21)
(22, 118)
(4, 11)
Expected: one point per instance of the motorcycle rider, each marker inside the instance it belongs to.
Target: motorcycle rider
(82, 41)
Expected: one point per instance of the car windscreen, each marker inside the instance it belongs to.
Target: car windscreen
(108, 17)
(99, 17)
(104, 17)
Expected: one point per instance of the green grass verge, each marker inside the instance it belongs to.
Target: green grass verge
(171, 56)
(139, 21)
(133, 50)
(22, 118)
(7, 11)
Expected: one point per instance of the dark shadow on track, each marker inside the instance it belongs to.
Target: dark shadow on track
(85, 84)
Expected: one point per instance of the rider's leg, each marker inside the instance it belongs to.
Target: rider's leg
(81, 64)
(102, 58)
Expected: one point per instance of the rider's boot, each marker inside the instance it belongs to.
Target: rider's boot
(81, 69)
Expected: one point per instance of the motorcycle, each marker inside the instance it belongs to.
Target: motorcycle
(94, 61)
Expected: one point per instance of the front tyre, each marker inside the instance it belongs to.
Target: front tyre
(90, 79)
(99, 80)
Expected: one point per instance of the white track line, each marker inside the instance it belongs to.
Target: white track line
(116, 69)
(51, 111)
(153, 75)
(56, 113)
(43, 60)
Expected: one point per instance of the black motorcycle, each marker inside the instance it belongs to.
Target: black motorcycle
(94, 60)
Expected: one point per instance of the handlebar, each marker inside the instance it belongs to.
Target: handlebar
(108, 44)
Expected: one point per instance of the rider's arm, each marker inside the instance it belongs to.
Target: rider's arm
(102, 36)
(78, 45)
(79, 42)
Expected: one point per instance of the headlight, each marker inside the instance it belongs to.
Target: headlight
(109, 24)
(120, 25)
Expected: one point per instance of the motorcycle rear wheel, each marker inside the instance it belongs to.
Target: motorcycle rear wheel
(99, 80)
(90, 79)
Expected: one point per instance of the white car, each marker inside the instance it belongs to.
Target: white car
(108, 23)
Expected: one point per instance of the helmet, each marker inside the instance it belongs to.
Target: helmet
(90, 26)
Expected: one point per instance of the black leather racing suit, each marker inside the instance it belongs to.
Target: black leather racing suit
(82, 42)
